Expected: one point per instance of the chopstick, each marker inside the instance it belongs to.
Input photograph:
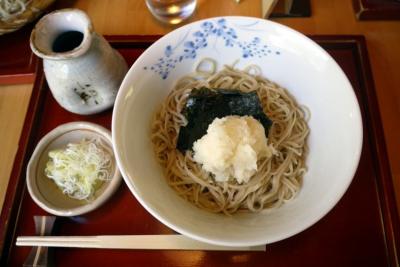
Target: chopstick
(145, 242)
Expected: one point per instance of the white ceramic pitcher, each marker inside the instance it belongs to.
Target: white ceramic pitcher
(82, 70)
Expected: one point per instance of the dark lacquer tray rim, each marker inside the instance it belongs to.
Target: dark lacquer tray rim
(386, 10)
(388, 209)
(24, 74)
(14, 72)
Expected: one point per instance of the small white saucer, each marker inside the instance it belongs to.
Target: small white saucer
(45, 192)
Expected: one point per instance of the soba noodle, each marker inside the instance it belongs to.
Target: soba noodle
(9, 9)
(277, 180)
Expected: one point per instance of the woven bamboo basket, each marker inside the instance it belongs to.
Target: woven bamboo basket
(33, 9)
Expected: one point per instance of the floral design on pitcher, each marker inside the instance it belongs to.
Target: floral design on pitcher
(209, 34)
(88, 95)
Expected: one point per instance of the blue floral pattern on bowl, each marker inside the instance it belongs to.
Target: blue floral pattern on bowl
(212, 30)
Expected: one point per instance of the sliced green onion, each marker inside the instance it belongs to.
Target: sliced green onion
(79, 168)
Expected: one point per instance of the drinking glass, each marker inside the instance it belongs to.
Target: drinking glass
(171, 11)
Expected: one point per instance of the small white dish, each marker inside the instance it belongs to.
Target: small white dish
(45, 192)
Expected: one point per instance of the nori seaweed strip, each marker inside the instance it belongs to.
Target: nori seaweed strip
(204, 105)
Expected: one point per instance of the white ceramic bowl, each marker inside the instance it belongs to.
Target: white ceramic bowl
(286, 57)
(45, 192)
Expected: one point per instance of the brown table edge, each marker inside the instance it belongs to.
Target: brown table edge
(389, 212)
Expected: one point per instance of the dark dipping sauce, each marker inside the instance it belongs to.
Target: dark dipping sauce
(67, 41)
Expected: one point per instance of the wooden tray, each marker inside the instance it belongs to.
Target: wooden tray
(17, 62)
(377, 9)
(362, 230)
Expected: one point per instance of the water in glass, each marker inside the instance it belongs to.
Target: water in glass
(171, 11)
